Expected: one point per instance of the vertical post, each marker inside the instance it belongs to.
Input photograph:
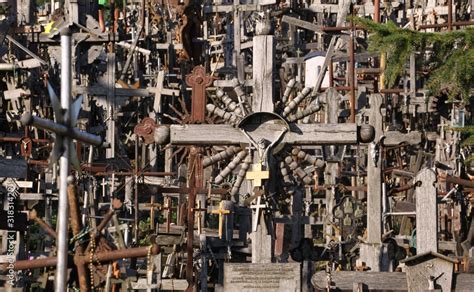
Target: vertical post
(450, 15)
(193, 158)
(352, 69)
(135, 197)
(426, 212)
(377, 11)
(263, 73)
(62, 244)
(374, 175)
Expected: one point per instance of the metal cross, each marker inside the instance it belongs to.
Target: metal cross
(198, 80)
(66, 115)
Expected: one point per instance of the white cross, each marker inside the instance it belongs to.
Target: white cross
(258, 209)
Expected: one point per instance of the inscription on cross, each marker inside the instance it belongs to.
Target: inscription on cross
(198, 80)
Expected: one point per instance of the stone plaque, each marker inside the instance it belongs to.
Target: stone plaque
(262, 277)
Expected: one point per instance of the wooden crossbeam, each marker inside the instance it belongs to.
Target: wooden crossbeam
(301, 134)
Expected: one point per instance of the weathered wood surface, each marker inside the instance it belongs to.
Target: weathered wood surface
(263, 73)
(381, 281)
(303, 134)
(426, 212)
(374, 175)
(343, 281)
(301, 23)
(393, 138)
(372, 252)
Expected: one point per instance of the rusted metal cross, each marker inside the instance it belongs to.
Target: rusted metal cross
(198, 80)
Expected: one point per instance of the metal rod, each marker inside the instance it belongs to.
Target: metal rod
(102, 257)
(450, 15)
(76, 226)
(439, 25)
(73, 133)
(377, 11)
(50, 231)
(26, 50)
(62, 242)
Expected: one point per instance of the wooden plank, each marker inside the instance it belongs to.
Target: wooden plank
(374, 175)
(301, 23)
(263, 73)
(374, 280)
(393, 138)
(103, 90)
(35, 196)
(426, 212)
(301, 134)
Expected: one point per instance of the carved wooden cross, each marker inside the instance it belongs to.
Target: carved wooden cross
(222, 212)
(198, 80)
(257, 175)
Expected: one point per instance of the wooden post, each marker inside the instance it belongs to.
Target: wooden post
(372, 252)
(331, 171)
(374, 175)
(426, 212)
(263, 73)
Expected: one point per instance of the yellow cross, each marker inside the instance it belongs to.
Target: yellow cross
(257, 175)
(221, 213)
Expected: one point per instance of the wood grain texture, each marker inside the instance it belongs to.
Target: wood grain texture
(374, 175)
(263, 73)
(426, 212)
(303, 134)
